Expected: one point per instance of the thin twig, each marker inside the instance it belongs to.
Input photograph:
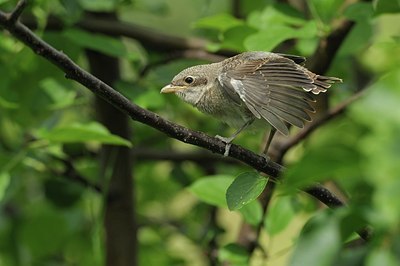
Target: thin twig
(16, 13)
(72, 174)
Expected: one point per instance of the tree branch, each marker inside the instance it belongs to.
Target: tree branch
(74, 72)
(72, 174)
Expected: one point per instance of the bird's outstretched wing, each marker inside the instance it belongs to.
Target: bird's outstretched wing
(275, 89)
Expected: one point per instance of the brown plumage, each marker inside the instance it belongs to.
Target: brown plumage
(253, 85)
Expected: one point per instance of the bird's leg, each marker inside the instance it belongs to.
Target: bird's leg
(228, 141)
(269, 140)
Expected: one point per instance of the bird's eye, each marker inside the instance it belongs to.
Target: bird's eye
(189, 80)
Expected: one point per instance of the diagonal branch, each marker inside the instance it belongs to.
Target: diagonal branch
(74, 72)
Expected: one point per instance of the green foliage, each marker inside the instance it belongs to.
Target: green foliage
(244, 189)
(279, 215)
(100, 43)
(82, 133)
(234, 255)
(212, 190)
(319, 242)
(220, 22)
(183, 201)
(252, 212)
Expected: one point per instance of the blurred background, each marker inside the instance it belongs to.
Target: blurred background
(81, 184)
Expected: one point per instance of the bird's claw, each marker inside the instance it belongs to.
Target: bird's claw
(227, 149)
(266, 157)
(224, 139)
(228, 142)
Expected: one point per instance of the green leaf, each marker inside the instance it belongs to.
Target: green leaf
(252, 212)
(7, 104)
(279, 214)
(233, 254)
(244, 189)
(150, 99)
(325, 10)
(267, 40)
(359, 12)
(101, 43)
(4, 183)
(327, 160)
(98, 5)
(234, 37)
(319, 242)
(41, 227)
(92, 131)
(382, 257)
(212, 189)
(61, 96)
(220, 22)
(271, 16)
(386, 6)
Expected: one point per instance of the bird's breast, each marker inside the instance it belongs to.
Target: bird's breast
(216, 103)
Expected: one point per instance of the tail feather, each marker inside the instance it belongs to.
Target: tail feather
(323, 82)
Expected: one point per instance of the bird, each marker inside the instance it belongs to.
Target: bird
(274, 88)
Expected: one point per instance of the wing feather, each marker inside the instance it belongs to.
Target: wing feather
(273, 88)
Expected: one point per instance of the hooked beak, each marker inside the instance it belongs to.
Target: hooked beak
(172, 88)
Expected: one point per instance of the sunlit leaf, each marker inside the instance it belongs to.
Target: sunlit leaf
(271, 16)
(267, 40)
(325, 10)
(61, 96)
(382, 257)
(7, 104)
(234, 37)
(252, 212)
(212, 189)
(279, 215)
(220, 22)
(233, 254)
(101, 43)
(150, 99)
(245, 188)
(82, 133)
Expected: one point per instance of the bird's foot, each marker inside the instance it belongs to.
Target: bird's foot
(266, 157)
(228, 142)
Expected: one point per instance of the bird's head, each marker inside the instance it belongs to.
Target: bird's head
(190, 84)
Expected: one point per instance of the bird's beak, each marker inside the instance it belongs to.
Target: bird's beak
(172, 88)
